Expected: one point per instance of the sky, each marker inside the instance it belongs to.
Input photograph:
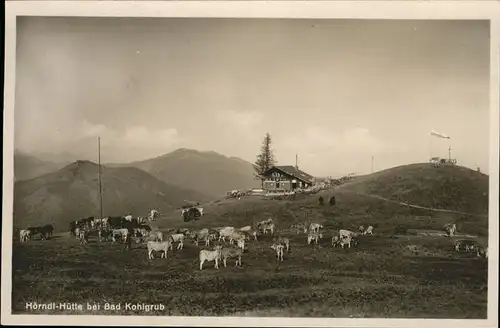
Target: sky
(336, 92)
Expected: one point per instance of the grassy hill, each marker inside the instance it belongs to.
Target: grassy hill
(72, 193)
(446, 187)
(207, 172)
(379, 278)
(28, 166)
(452, 188)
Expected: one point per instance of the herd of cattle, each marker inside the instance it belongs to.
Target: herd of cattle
(128, 228)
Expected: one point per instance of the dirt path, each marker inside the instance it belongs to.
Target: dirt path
(416, 206)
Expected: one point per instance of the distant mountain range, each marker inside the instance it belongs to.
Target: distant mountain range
(207, 172)
(72, 192)
(58, 188)
(27, 166)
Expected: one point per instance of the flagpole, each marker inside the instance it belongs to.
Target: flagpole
(99, 173)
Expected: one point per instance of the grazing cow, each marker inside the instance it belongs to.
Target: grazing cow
(450, 229)
(47, 231)
(202, 234)
(235, 236)
(263, 223)
(250, 233)
(482, 251)
(24, 235)
(368, 231)
(299, 227)
(77, 232)
(83, 236)
(346, 241)
(209, 256)
(104, 223)
(128, 218)
(177, 238)
(190, 214)
(241, 243)
(279, 251)
(225, 232)
(346, 233)
(361, 228)
(153, 215)
(268, 227)
(335, 241)
(123, 233)
(314, 237)
(466, 245)
(158, 246)
(35, 231)
(282, 241)
(314, 227)
(231, 252)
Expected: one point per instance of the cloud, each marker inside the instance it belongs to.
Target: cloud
(242, 121)
(317, 146)
(140, 136)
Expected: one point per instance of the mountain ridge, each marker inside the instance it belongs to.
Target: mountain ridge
(72, 192)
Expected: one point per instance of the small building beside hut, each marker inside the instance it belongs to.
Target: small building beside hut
(286, 178)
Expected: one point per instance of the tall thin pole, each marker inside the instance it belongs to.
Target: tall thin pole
(449, 154)
(99, 173)
(297, 161)
(372, 164)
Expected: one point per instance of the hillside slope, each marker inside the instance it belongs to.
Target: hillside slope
(207, 172)
(448, 187)
(72, 193)
(27, 166)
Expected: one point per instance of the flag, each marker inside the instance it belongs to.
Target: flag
(440, 135)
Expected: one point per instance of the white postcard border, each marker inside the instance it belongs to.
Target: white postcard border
(489, 10)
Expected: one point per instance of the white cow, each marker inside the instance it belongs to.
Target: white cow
(83, 236)
(314, 227)
(368, 231)
(178, 238)
(231, 252)
(226, 232)
(263, 223)
(343, 233)
(335, 241)
(450, 228)
(346, 241)
(77, 233)
(153, 215)
(283, 241)
(279, 251)
(235, 236)
(203, 234)
(162, 246)
(209, 256)
(121, 232)
(128, 218)
(268, 227)
(24, 235)
(314, 237)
